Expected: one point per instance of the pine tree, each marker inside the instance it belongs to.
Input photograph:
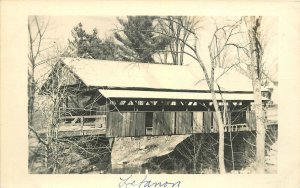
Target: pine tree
(88, 45)
(139, 41)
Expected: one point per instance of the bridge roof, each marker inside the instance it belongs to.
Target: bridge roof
(152, 77)
(171, 95)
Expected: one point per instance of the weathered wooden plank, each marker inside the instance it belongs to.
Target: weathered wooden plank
(158, 121)
(163, 123)
(126, 124)
(120, 128)
(178, 123)
(189, 122)
(109, 124)
(140, 124)
(181, 116)
(207, 122)
(132, 124)
(183, 122)
(173, 124)
(115, 121)
(168, 123)
(120, 124)
(197, 122)
(112, 124)
(215, 127)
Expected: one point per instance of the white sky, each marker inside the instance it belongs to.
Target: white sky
(60, 27)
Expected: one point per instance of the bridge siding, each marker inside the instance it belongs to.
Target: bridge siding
(207, 122)
(197, 122)
(183, 122)
(163, 123)
(215, 127)
(125, 124)
(114, 124)
(140, 124)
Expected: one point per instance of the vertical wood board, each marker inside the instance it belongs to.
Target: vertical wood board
(207, 122)
(198, 122)
(168, 123)
(140, 124)
(183, 122)
(215, 124)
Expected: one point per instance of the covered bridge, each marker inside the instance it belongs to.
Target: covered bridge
(119, 99)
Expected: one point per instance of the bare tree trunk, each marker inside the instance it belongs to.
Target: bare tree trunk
(231, 147)
(254, 32)
(260, 138)
(260, 125)
(36, 37)
(188, 28)
(210, 82)
(181, 54)
(31, 79)
(221, 133)
(226, 122)
(31, 97)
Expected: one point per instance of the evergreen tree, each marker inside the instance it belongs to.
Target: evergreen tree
(88, 45)
(139, 41)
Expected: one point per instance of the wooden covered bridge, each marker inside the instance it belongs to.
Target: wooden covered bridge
(119, 99)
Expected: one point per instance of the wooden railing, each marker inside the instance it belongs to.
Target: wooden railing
(98, 121)
(236, 127)
(83, 125)
(149, 130)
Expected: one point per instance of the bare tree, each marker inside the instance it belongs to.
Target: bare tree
(199, 150)
(251, 53)
(221, 40)
(172, 26)
(60, 153)
(255, 54)
(36, 30)
(44, 112)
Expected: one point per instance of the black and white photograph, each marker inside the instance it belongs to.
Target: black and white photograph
(149, 94)
(152, 94)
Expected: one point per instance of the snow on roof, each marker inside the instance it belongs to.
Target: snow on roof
(173, 95)
(105, 73)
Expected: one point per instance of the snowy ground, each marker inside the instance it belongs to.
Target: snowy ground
(137, 151)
